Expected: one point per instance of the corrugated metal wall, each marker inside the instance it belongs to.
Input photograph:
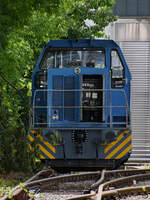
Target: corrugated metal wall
(137, 55)
(136, 49)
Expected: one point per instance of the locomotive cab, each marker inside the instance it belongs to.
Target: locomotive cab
(81, 104)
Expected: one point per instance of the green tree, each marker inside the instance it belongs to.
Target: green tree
(75, 15)
(25, 27)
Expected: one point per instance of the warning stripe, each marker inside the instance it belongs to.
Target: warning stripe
(47, 144)
(42, 157)
(126, 131)
(31, 149)
(46, 152)
(52, 148)
(118, 147)
(33, 131)
(30, 138)
(42, 148)
(113, 143)
(124, 152)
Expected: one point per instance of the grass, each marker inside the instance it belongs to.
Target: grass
(9, 181)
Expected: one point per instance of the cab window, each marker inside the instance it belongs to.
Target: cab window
(117, 70)
(75, 58)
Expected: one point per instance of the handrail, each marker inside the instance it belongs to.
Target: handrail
(109, 106)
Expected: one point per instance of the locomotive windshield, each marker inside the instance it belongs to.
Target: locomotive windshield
(61, 59)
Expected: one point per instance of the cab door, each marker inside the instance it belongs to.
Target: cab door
(119, 89)
(63, 84)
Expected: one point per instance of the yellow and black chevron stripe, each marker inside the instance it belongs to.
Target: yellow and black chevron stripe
(47, 150)
(119, 148)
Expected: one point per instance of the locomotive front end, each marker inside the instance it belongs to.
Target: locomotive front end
(81, 104)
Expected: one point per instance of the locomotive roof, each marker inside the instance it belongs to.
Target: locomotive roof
(79, 43)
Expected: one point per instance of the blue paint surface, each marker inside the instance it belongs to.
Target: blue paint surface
(62, 97)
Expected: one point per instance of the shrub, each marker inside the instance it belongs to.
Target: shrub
(14, 151)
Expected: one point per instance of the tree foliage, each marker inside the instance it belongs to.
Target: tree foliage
(25, 27)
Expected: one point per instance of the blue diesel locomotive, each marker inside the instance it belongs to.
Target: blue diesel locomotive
(81, 104)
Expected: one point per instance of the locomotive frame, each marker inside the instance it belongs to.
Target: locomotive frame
(81, 104)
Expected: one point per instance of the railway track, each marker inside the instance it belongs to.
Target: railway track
(124, 187)
(97, 185)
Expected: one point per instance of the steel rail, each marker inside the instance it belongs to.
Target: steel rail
(63, 179)
(117, 182)
(21, 194)
(119, 185)
(105, 175)
(124, 181)
(121, 182)
(108, 175)
(39, 175)
(128, 190)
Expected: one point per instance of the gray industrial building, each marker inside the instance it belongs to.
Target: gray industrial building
(132, 32)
